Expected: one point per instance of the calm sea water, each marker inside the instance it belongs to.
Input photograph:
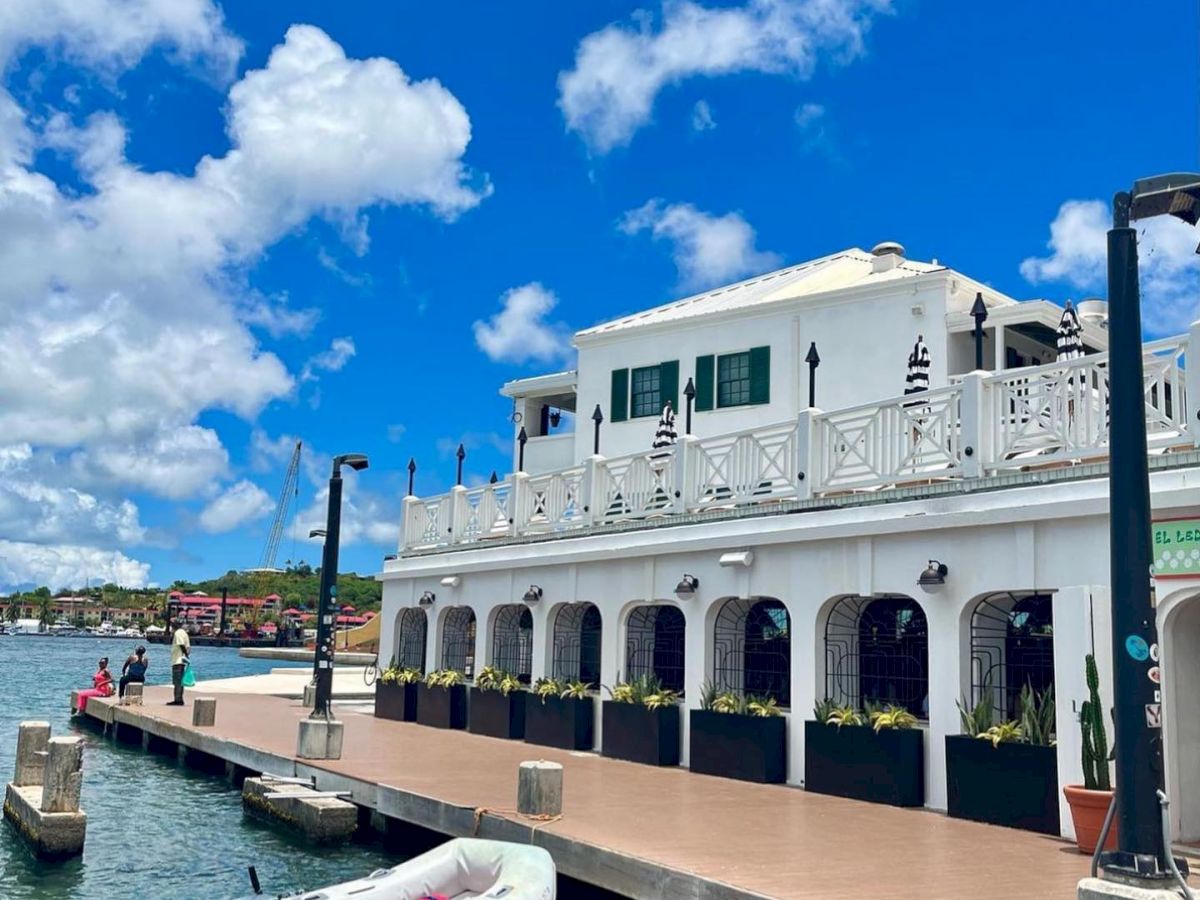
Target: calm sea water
(155, 829)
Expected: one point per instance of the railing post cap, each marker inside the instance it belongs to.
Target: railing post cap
(458, 489)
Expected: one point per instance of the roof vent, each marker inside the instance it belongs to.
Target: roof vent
(887, 255)
(886, 248)
(1094, 311)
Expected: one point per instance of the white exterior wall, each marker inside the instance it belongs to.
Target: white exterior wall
(1050, 538)
(863, 337)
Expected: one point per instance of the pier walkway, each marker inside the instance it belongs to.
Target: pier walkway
(637, 830)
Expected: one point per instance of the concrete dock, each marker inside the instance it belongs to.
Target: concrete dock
(636, 830)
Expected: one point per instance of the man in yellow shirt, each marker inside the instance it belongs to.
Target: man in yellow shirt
(181, 648)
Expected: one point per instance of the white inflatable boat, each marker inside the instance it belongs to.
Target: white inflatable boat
(461, 868)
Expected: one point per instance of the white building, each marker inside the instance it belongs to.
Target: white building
(806, 529)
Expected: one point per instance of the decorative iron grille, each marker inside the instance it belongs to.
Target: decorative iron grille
(577, 643)
(512, 641)
(654, 645)
(1012, 645)
(752, 649)
(458, 640)
(410, 639)
(877, 651)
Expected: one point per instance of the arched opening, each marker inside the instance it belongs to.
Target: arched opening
(654, 644)
(1012, 645)
(411, 628)
(512, 641)
(576, 651)
(752, 649)
(458, 640)
(877, 652)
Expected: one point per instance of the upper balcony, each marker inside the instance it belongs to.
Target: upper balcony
(982, 430)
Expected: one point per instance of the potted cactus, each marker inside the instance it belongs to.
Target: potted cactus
(1089, 802)
(497, 705)
(442, 700)
(396, 694)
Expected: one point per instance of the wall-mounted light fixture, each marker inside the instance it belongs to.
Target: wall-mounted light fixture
(933, 579)
(555, 417)
(533, 595)
(451, 581)
(427, 599)
(686, 589)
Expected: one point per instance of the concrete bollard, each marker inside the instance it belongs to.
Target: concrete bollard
(539, 788)
(64, 776)
(310, 696)
(133, 694)
(204, 712)
(33, 739)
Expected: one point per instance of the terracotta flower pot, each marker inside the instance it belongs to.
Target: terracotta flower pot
(1088, 809)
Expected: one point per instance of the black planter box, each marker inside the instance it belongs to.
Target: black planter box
(633, 732)
(568, 724)
(442, 707)
(853, 761)
(496, 715)
(750, 748)
(396, 701)
(1012, 784)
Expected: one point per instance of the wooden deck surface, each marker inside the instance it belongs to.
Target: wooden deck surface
(773, 840)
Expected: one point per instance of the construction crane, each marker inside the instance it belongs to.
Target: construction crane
(289, 491)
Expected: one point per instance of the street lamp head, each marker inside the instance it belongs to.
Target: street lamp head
(1176, 194)
(356, 461)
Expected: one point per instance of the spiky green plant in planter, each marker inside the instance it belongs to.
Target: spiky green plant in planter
(1095, 740)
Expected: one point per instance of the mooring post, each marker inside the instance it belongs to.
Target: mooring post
(32, 741)
(539, 788)
(133, 694)
(64, 775)
(204, 712)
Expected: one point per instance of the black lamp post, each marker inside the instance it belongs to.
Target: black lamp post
(598, 417)
(328, 596)
(461, 454)
(522, 437)
(1142, 853)
(979, 313)
(412, 471)
(689, 391)
(813, 359)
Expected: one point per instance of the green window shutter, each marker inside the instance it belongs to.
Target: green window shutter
(618, 410)
(704, 383)
(668, 383)
(760, 375)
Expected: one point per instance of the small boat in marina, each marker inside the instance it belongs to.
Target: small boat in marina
(458, 869)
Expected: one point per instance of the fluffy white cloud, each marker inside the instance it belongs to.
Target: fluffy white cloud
(367, 518)
(60, 566)
(620, 70)
(124, 310)
(519, 333)
(1169, 268)
(708, 250)
(341, 351)
(242, 502)
(111, 35)
(702, 116)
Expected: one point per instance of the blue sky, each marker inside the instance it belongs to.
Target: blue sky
(211, 250)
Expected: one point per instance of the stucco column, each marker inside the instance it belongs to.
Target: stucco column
(949, 650)
(803, 609)
(1081, 626)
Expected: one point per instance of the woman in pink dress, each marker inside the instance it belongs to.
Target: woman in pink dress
(102, 685)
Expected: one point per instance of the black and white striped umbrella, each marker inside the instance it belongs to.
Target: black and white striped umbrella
(665, 435)
(917, 378)
(1069, 335)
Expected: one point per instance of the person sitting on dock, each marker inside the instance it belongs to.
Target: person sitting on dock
(102, 685)
(181, 648)
(133, 670)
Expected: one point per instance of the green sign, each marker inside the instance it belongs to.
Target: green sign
(1176, 545)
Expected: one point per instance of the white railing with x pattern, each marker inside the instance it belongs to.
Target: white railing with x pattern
(980, 425)
(909, 438)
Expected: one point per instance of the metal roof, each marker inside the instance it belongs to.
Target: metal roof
(847, 269)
